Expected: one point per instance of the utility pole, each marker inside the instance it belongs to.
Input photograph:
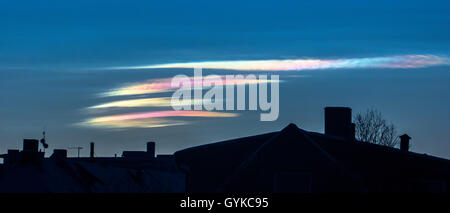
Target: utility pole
(78, 148)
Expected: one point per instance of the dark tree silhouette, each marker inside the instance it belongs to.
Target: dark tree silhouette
(373, 128)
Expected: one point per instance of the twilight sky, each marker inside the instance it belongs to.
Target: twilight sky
(79, 68)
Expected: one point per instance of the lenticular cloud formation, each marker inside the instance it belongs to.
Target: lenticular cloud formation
(393, 62)
(152, 119)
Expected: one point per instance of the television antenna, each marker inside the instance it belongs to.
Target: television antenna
(44, 140)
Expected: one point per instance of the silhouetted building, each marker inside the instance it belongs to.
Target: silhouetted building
(27, 171)
(290, 160)
(295, 160)
(150, 153)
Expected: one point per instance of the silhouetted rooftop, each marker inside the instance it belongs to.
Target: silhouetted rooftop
(243, 163)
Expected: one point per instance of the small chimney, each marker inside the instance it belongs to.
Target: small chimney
(151, 149)
(338, 122)
(91, 155)
(30, 145)
(404, 142)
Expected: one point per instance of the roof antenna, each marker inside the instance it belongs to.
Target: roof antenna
(43, 141)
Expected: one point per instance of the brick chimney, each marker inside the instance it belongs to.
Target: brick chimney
(404, 142)
(338, 122)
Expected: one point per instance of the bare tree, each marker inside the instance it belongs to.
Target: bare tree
(372, 127)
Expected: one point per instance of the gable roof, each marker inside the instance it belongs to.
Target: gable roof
(291, 149)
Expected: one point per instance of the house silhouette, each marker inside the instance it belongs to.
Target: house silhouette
(297, 161)
(292, 160)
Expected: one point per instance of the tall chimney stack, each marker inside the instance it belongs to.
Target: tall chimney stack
(404, 142)
(91, 155)
(338, 122)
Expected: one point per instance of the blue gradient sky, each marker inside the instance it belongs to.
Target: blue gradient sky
(52, 52)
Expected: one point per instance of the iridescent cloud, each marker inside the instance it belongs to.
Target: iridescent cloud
(145, 102)
(139, 123)
(149, 119)
(151, 86)
(164, 85)
(399, 61)
(141, 102)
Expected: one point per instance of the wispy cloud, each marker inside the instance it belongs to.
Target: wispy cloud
(149, 119)
(139, 123)
(150, 86)
(398, 61)
(157, 118)
(161, 118)
(147, 102)
(141, 102)
(164, 85)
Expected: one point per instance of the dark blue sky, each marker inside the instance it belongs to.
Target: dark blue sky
(52, 54)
